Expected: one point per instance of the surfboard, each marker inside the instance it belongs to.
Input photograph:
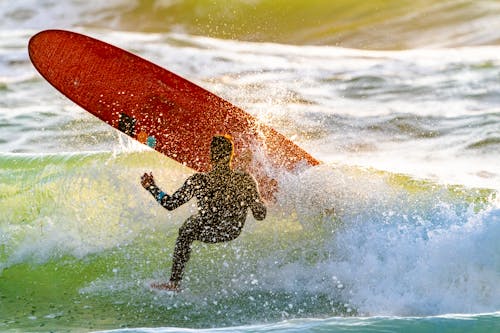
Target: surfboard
(157, 107)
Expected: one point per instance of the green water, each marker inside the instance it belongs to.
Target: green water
(380, 24)
(81, 242)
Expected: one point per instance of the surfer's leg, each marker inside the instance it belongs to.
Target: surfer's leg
(196, 229)
(188, 233)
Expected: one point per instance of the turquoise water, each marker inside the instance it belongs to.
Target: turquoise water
(452, 323)
(396, 232)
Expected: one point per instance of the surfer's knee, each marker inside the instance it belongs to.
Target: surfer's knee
(187, 231)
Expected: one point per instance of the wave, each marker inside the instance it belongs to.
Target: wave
(456, 323)
(390, 24)
(86, 239)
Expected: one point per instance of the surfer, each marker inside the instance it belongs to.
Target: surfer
(224, 197)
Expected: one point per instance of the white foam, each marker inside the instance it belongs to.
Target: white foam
(407, 270)
(395, 253)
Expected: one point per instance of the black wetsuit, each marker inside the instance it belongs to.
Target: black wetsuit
(224, 197)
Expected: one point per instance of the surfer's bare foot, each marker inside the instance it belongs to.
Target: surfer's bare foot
(166, 286)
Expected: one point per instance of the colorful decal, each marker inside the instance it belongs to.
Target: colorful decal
(151, 141)
(127, 124)
(142, 137)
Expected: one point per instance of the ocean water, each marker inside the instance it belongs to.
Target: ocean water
(396, 231)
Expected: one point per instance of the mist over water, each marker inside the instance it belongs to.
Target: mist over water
(398, 99)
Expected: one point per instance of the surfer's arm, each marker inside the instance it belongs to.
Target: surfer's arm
(157, 193)
(259, 210)
(180, 197)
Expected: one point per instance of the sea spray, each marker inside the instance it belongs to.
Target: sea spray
(395, 130)
(363, 242)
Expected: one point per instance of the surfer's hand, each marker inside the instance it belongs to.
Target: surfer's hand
(147, 180)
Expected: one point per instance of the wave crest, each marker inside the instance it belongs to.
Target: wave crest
(393, 24)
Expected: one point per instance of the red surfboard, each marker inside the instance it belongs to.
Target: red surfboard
(157, 107)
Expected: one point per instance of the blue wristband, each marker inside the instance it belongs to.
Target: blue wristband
(160, 196)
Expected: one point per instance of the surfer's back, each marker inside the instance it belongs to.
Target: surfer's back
(226, 195)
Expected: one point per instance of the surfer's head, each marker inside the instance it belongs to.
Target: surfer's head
(221, 149)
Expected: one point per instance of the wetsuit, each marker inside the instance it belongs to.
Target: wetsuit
(224, 197)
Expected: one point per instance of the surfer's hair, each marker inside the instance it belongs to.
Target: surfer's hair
(222, 148)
